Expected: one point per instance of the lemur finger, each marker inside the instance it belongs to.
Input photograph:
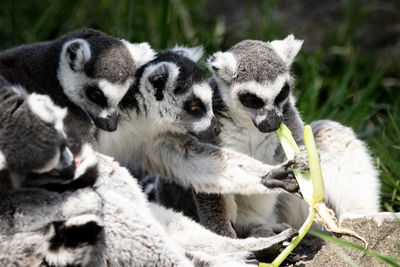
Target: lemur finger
(289, 185)
(278, 173)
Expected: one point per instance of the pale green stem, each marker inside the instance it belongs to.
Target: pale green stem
(302, 232)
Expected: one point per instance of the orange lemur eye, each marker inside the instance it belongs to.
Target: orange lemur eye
(194, 107)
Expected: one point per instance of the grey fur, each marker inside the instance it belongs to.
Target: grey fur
(131, 232)
(257, 61)
(28, 143)
(158, 133)
(242, 131)
(37, 67)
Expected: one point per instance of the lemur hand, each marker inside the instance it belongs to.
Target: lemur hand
(281, 177)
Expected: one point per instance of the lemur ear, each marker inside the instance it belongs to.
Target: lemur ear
(159, 78)
(76, 53)
(141, 53)
(287, 48)
(193, 53)
(223, 65)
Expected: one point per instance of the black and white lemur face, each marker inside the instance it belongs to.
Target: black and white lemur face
(96, 76)
(173, 92)
(32, 138)
(255, 81)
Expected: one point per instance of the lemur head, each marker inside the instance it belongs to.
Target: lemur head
(254, 80)
(173, 92)
(32, 135)
(95, 71)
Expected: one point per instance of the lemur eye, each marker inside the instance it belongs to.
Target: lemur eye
(195, 107)
(283, 94)
(95, 95)
(251, 101)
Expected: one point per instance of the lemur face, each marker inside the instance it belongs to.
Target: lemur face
(175, 93)
(254, 80)
(96, 75)
(32, 135)
(51, 117)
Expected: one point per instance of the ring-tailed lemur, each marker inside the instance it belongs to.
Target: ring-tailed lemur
(254, 83)
(115, 226)
(170, 102)
(86, 71)
(32, 138)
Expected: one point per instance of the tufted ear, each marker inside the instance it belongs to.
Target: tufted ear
(160, 76)
(223, 65)
(76, 53)
(287, 48)
(141, 52)
(193, 53)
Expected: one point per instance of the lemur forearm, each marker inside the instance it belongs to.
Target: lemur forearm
(205, 167)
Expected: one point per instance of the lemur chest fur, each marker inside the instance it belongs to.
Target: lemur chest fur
(244, 139)
(252, 209)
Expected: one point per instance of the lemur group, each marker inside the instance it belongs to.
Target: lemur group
(78, 113)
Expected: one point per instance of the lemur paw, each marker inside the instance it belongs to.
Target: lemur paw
(281, 177)
(300, 161)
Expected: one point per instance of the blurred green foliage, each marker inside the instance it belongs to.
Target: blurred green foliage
(338, 80)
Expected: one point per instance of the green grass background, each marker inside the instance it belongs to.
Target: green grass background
(337, 80)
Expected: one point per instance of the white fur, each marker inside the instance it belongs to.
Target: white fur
(46, 110)
(350, 178)
(287, 48)
(225, 64)
(141, 53)
(71, 81)
(3, 161)
(203, 92)
(114, 92)
(268, 90)
(193, 53)
(84, 219)
(229, 173)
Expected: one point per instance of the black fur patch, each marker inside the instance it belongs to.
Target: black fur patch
(88, 178)
(283, 94)
(75, 235)
(71, 50)
(159, 81)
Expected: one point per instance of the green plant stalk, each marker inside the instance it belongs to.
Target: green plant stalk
(310, 183)
(302, 232)
(315, 166)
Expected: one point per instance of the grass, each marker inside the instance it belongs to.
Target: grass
(337, 81)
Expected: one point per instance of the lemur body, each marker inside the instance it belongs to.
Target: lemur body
(86, 71)
(115, 227)
(168, 104)
(254, 83)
